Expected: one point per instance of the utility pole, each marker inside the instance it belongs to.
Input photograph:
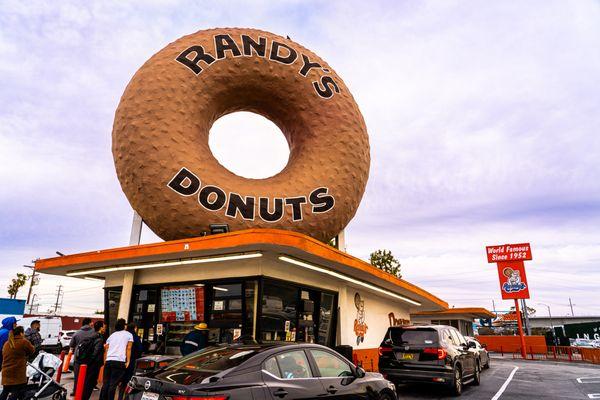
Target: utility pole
(31, 281)
(571, 305)
(526, 314)
(59, 295)
(32, 304)
(494, 307)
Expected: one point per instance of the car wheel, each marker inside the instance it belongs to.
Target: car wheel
(456, 385)
(386, 396)
(477, 374)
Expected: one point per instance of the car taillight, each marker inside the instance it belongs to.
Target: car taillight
(384, 350)
(441, 353)
(215, 397)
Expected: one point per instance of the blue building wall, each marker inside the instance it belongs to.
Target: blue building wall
(12, 307)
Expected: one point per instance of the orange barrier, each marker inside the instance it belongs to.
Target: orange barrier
(512, 344)
(367, 359)
(67, 362)
(80, 381)
(590, 355)
(60, 368)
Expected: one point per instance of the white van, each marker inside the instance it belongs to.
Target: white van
(50, 328)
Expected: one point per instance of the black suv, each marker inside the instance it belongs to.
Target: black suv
(429, 353)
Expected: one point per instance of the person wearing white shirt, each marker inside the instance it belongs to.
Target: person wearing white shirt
(118, 355)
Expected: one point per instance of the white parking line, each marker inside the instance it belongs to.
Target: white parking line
(594, 395)
(503, 387)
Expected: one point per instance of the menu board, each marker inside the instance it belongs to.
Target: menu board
(184, 303)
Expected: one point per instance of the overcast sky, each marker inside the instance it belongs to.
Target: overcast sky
(483, 120)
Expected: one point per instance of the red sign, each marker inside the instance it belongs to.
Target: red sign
(508, 252)
(513, 281)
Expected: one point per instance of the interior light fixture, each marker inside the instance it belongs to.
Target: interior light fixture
(220, 289)
(227, 257)
(347, 279)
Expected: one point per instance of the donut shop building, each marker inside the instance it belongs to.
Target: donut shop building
(270, 285)
(271, 275)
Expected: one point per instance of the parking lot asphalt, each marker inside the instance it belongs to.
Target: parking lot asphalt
(531, 380)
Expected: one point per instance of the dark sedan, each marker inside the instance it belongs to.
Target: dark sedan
(261, 371)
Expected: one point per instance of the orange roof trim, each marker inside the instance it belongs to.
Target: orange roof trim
(234, 239)
(480, 311)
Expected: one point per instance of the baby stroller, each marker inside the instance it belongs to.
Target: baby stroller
(40, 372)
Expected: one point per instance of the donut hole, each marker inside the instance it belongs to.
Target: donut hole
(249, 145)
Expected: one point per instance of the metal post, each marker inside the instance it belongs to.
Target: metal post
(136, 229)
(527, 325)
(571, 305)
(520, 325)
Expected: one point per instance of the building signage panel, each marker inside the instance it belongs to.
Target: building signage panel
(508, 252)
(513, 281)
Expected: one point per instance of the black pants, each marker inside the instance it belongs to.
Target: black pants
(17, 391)
(113, 374)
(91, 379)
(126, 377)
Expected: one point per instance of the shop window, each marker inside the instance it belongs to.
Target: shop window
(293, 365)
(329, 365)
(113, 298)
(326, 313)
(144, 312)
(279, 312)
(226, 313)
(182, 307)
(251, 298)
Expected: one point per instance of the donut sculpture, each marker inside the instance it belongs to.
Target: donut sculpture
(161, 128)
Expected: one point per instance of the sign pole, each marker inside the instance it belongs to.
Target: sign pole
(520, 324)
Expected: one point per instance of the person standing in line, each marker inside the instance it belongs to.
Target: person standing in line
(33, 335)
(15, 353)
(136, 352)
(195, 340)
(82, 338)
(118, 356)
(96, 359)
(8, 324)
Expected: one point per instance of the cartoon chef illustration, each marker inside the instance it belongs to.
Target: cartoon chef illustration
(360, 327)
(513, 282)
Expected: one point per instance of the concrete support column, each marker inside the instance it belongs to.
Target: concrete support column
(129, 276)
(126, 294)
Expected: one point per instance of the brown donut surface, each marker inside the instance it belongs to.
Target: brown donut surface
(161, 128)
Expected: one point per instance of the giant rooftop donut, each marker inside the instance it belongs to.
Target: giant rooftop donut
(161, 127)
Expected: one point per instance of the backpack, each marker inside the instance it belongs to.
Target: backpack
(84, 352)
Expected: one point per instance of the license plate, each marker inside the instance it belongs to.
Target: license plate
(150, 396)
(406, 356)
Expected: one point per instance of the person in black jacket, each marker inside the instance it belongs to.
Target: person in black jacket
(96, 359)
(195, 340)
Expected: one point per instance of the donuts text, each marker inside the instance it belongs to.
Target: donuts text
(213, 198)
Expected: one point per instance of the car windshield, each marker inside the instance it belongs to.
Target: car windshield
(210, 361)
(419, 336)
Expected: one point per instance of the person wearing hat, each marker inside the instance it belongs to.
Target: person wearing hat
(195, 340)
(8, 324)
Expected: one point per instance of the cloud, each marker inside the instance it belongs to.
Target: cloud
(482, 123)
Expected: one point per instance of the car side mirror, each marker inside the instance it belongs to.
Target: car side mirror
(360, 372)
(484, 345)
